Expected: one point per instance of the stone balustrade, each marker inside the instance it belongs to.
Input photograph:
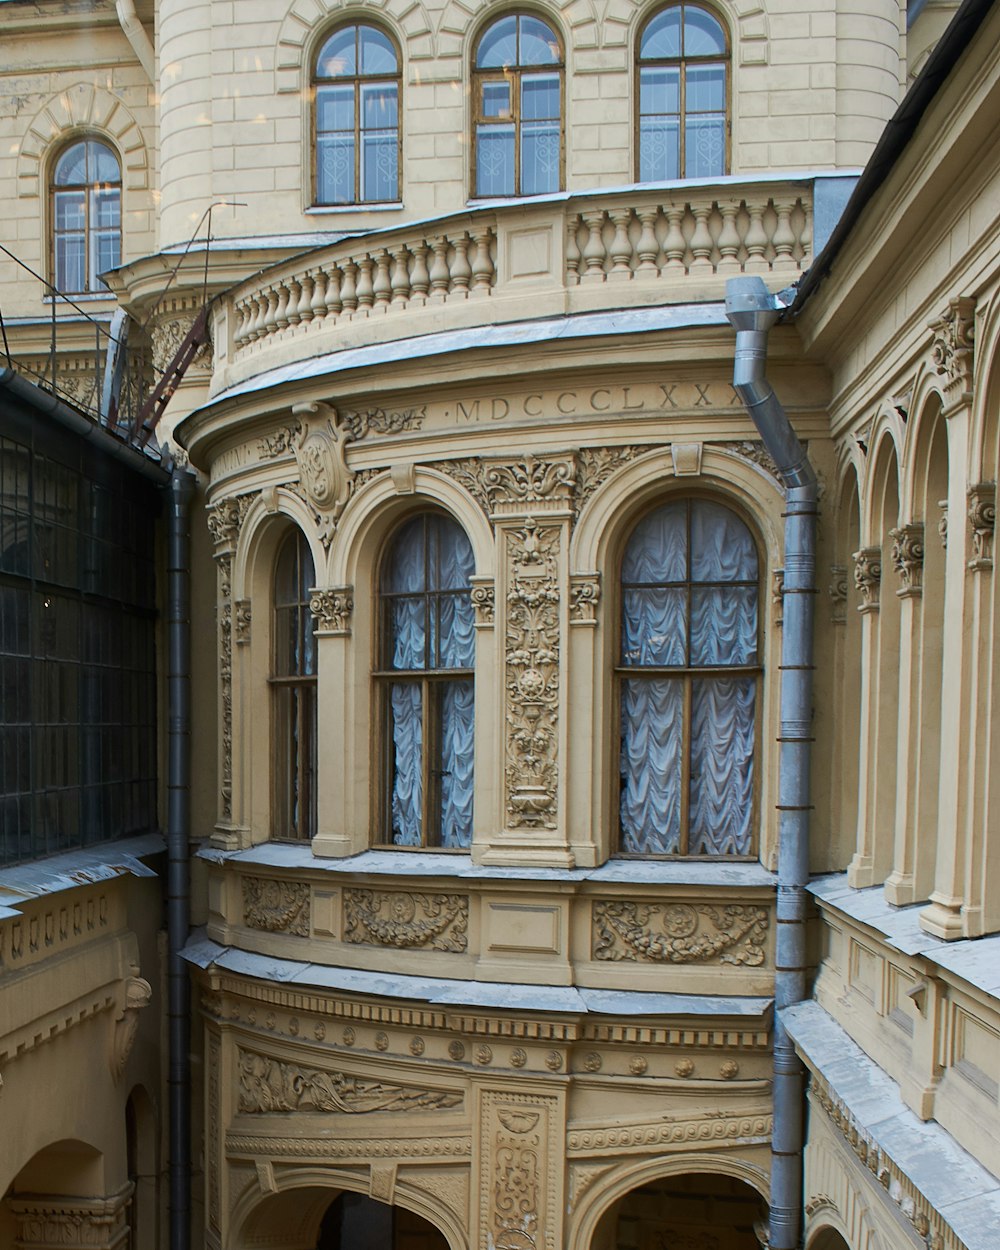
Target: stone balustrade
(553, 256)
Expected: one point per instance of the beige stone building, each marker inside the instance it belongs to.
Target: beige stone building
(588, 837)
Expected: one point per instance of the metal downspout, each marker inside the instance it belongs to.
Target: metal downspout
(752, 311)
(135, 33)
(178, 835)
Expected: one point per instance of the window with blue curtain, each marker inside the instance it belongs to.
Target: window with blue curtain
(425, 679)
(688, 682)
(682, 95)
(357, 87)
(518, 85)
(293, 687)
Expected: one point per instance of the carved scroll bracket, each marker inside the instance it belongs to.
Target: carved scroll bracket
(324, 476)
(332, 607)
(868, 577)
(138, 993)
(952, 350)
(584, 596)
(908, 558)
(483, 601)
(982, 521)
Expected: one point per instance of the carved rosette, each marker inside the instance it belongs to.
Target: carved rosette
(908, 558)
(868, 577)
(531, 674)
(483, 594)
(982, 522)
(953, 349)
(838, 594)
(241, 621)
(276, 906)
(584, 596)
(518, 1189)
(407, 920)
(268, 1086)
(332, 607)
(680, 933)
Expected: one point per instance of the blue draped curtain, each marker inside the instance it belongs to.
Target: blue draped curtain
(689, 603)
(429, 623)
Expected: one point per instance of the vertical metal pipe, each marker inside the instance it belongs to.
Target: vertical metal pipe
(752, 310)
(178, 838)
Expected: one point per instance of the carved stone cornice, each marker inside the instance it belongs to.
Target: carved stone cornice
(908, 558)
(676, 933)
(982, 521)
(657, 1135)
(406, 919)
(952, 349)
(421, 1147)
(837, 591)
(332, 607)
(584, 596)
(275, 906)
(268, 1085)
(868, 577)
(45, 1221)
(483, 594)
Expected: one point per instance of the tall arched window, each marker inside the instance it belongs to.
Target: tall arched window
(86, 216)
(518, 85)
(687, 682)
(293, 687)
(682, 95)
(357, 89)
(425, 680)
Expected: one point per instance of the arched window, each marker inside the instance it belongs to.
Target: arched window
(425, 680)
(682, 95)
(293, 687)
(357, 88)
(518, 85)
(86, 216)
(688, 682)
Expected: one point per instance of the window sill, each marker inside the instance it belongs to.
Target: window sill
(92, 297)
(327, 210)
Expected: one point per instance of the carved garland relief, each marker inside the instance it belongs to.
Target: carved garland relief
(678, 933)
(276, 906)
(406, 920)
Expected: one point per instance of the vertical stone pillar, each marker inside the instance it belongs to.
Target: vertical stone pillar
(332, 609)
(54, 1222)
(868, 580)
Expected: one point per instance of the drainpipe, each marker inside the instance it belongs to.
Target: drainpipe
(135, 33)
(178, 838)
(752, 311)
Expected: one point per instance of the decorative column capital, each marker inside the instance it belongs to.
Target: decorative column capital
(953, 349)
(483, 595)
(584, 596)
(868, 577)
(332, 607)
(982, 519)
(521, 487)
(908, 558)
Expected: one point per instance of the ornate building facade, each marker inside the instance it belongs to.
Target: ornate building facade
(488, 814)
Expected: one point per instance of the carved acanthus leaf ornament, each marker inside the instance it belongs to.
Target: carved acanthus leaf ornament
(982, 521)
(868, 577)
(908, 558)
(405, 919)
(953, 348)
(269, 1085)
(276, 906)
(676, 932)
(332, 608)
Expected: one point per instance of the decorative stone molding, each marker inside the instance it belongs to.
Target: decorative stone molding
(521, 1162)
(421, 1147)
(138, 993)
(754, 451)
(532, 672)
(982, 521)
(167, 336)
(324, 476)
(514, 486)
(676, 932)
(908, 558)
(384, 421)
(241, 621)
(868, 577)
(47, 1222)
(594, 465)
(483, 594)
(942, 525)
(332, 607)
(268, 1085)
(952, 349)
(656, 1136)
(405, 919)
(225, 517)
(279, 443)
(275, 906)
(837, 591)
(778, 596)
(584, 596)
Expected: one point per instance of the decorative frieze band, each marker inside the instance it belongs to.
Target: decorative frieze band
(98, 1223)
(677, 933)
(332, 608)
(868, 577)
(982, 521)
(405, 919)
(908, 558)
(642, 1137)
(276, 906)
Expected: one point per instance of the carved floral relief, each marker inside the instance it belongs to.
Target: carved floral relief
(982, 522)
(908, 558)
(868, 577)
(406, 920)
(276, 906)
(681, 933)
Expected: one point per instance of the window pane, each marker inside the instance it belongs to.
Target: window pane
(378, 56)
(538, 43)
(338, 57)
(104, 256)
(406, 789)
(539, 158)
(455, 752)
(70, 210)
(105, 208)
(703, 36)
(660, 90)
(662, 37)
(705, 146)
(659, 149)
(456, 632)
(335, 169)
(495, 160)
(723, 625)
(652, 738)
(71, 167)
(654, 626)
(705, 89)
(103, 164)
(406, 567)
(721, 547)
(335, 109)
(722, 736)
(378, 106)
(496, 99)
(498, 45)
(539, 97)
(379, 176)
(657, 550)
(70, 262)
(407, 626)
(450, 554)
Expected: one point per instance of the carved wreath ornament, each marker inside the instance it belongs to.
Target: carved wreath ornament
(676, 933)
(401, 919)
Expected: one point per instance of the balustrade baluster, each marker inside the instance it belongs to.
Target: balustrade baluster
(281, 312)
(647, 247)
(420, 279)
(594, 251)
(784, 239)
(573, 256)
(382, 286)
(270, 318)
(241, 323)
(701, 240)
(349, 287)
(319, 295)
(729, 240)
(365, 287)
(674, 245)
(334, 297)
(461, 270)
(440, 274)
(259, 304)
(305, 300)
(294, 294)
(621, 246)
(400, 277)
(756, 240)
(806, 237)
(482, 265)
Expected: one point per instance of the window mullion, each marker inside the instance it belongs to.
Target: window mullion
(515, 113)
(685, 838)
(426, 771)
